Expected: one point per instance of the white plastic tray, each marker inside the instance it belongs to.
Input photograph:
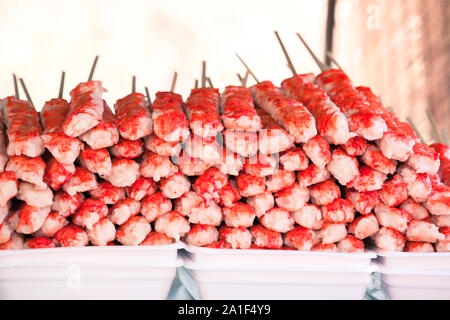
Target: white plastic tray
(277, 258)
(438, 261)
(267, 282)
(411, 284)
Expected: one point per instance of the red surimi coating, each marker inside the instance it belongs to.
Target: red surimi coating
(86, 108)
(34, 196)
(237, 238)
(102, 233)
(202, 213)
(392, 217)
(363, 202)
(57, 174)
(289, 113)
(81, 181)
(128, 149)
(230, 163)
(249, 185)
(294, 159)
(28, 219)
(108, 193)
(133, 117)
(122, 210)
(241, 142)
(394, 191)
(202, 111)
(173, 225)
(418, 184)
(299, 238)
(329, 247)
(350, 244)
(105, 134)
(292, 198)
(367, 180)
(277, 219)
(9, 188)
(204, 148)
(124, 172)
(261, 165)
(161, 147)
(238, 111)
(239, 215)
(342, 166)
(141, 188)
(331, 123)
(52, 224)
(90, 212)
(28, 169)
(261, 203)
(265, 238)
(373, 158)
(308, 216)
(332, 232)
(155, 166)
(219, 245)
(209, 184)
(169, 120)
(424, 159)
(191, 166)
(423, 231)
(418, 247)
(272, 138)
(133, 231)
(202, 235)
(415, 209)
(96, 161)
(324, 193)
(444, 157)
(339, 211)
(155, 205)
(39, 243)
(156, 239)
(229, 194)
(279, 180)
(64, 149)
(175, 185)
(318, 150)
(24, 130)
(66, 204)
(312, 175)
(187, 202)
(355, 146)
(13, 243)
(364, 226)
(439, 201)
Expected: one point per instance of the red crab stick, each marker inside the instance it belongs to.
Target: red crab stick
(169, 120)
(272, 138)
(289, 113)
(86, 108)
(202, 112)
(331, 122)
(133, 116)
(24, 130)
(64, 149)
(3, 153)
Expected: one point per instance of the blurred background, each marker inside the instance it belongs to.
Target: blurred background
(400, 48)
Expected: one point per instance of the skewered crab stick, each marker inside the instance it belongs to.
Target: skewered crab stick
(418, 184)
(161, 147)
(364, 202)
(124, 172)
(237, 238)
(438, 203)
(308, 216)
(229, 194)
(105, 134)
(331, 122)
(375, 159)
(293, 197)
(342, 166)
(191, 166)
(187, 202)
(108, 193)
(52, 224)
(81, 181)
(64, 149)
(241, 142)
(175, 185)
(394, 191)
(28, 169)
(173, 225)
(65, 204)
(423, 231)
(444, 157)
(14, 243)
(9, 188)
(261, 203)
(202, 235)
(86, 108)
(202, 110)
(133, 231)
(34, 196)
(28, 219)
(367, 180)
(318, 150)
(312, 175)
(57, 174)
(169, 121)
(23, 128)
(394, 218)
(272, 138)
(156, 239)
(418, 247)
(39, 243)
(299, 238)
(364, 226)
(133, 117)
(209, 184)
(90, 212)
(210, 214)
(277, 219)
(329, 247)
(350, 244)
(206, 149)
(238, 111)
(289, 113)
(141, 188)
(324, 193)
(129, 149)
(102, 232)
(424, 159)
(239, 215)
(71, 236)
(355, 146)
(96, 161)
(339, 211)
(156, 166)
(294, 159)
(123, 209)
(4, 211)
(155, 205)
(415, 209)
(261, 165)
(249, 185)
(279, 180)
(332, 232)
(230, 163)
(265, 238)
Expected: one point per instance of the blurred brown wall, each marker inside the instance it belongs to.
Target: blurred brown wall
(400, 48)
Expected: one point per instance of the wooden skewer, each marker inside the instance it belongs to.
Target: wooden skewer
(91, 74)
(413, 126)
(196, 83)
(248, 69)
(210, 82)
(24, 87)
(246, 78)
(174, 82)
(330, 56)
(433, 126)
(133, 84)
(316, 59)
(241, 80)
(445, 136)
(290, 64)
(149, 100)
(16, 88)
(203, 73)
(61, 85)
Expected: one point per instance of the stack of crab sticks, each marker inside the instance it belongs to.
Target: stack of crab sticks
(315, 164)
